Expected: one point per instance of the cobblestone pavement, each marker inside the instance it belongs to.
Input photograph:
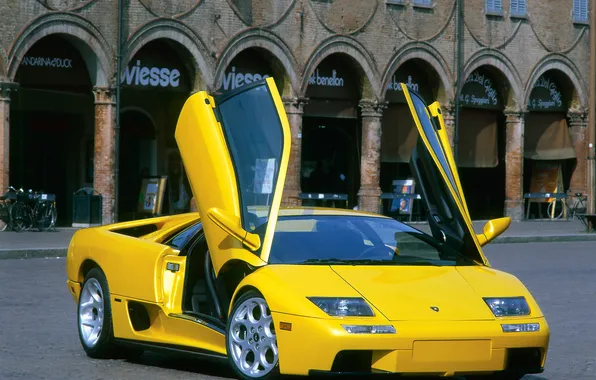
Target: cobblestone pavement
(38, 336)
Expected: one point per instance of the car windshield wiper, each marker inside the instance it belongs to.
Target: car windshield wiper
(350, 262)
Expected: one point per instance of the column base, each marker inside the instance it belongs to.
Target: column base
(514, 209)
(369, 200)
(290, 198)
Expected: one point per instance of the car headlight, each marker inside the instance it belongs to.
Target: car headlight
(508, 306)
(343, 307)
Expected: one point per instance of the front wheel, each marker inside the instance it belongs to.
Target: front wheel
(95, 316)
(250, 338)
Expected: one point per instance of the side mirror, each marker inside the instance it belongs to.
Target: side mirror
(231, 225)
(492, 229)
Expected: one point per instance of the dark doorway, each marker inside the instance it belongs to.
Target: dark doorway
(331, 156)
(137, 151)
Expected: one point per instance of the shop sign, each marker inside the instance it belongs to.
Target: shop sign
(333, 80)
(234, 79)
(478, 91)
(60, 63)
(147, 76)
(546, 96)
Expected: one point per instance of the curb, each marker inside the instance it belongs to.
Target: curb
(39, 253)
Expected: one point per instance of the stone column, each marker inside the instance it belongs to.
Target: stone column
(448, 112)
(294, 110)
(514, 164)
(370, 161)
(6, 89)
(578, 124)
(104, 168)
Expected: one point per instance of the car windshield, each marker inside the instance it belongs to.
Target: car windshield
(356, 240)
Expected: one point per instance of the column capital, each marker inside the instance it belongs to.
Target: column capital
(513, 115)
(578, 117)
(104, 95)
(372, 108)
(294, 105)
(6, 89)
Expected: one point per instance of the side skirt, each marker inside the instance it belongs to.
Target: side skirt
(205, 320)
(173, 349)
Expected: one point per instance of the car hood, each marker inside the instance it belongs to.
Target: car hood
(417, 293)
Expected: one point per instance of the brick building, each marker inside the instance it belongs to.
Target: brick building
(524, 66)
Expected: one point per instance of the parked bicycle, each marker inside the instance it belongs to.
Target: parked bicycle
(34, 210)
(6, 202)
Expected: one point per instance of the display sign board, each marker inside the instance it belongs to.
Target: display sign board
(546, 178)
(152, 195)
(156, 66)
(247, 67)
(479, 91)
(546, 95)
(403, 205)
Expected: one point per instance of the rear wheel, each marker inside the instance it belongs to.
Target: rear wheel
(21, 217)
(250, 338)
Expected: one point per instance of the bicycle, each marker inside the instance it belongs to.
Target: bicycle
(6, 202)
(34, 209)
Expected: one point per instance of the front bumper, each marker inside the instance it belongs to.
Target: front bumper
(437, 348)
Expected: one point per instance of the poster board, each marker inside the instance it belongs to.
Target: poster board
(546, 178)
(403, 205)
(152, 195)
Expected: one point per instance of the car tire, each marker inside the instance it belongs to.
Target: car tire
(251, 342)
(94, 316)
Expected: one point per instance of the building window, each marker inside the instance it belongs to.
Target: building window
(580, 11)
(423, 3)
(494, 7)
(518, 8)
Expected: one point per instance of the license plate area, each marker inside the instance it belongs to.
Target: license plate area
(453, 351)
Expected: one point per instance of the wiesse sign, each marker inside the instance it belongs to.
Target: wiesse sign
(148, 76)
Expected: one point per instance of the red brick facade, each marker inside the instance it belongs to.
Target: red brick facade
(297, 35)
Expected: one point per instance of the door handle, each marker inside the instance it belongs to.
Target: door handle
(173, 267)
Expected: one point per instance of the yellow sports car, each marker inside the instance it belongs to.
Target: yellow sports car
(302, 290)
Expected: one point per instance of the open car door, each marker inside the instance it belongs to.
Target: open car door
(235, 149)
(434, 168)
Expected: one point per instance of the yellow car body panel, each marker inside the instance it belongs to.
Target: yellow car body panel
(443, 325)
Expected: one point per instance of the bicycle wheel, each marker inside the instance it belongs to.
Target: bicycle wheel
(555, 209)
(47, 216)
(21, 217)
(4, 216)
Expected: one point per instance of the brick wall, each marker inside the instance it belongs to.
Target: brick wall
(376, 31)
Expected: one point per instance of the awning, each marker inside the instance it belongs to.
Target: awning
(398, 134)
(478, 142)
(546, 137)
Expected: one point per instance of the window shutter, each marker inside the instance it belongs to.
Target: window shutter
(518, 7)
(423, 2)
(584, 10)
(494, 6)
(490, 5)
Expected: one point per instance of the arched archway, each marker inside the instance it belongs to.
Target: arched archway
(265, 47)
(554, 134)
(155, 84)
(53, 118)
(482, 138)
(399, 134)
(332, 128)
